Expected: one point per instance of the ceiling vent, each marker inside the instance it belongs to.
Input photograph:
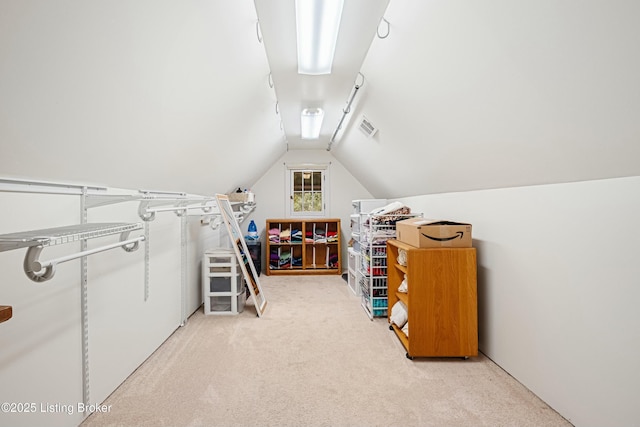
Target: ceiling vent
(367, 127)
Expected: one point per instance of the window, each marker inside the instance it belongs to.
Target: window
(307, 192)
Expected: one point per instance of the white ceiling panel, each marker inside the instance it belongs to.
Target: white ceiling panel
(294, 91)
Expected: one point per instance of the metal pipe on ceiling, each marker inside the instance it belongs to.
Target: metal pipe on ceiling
(345, 111)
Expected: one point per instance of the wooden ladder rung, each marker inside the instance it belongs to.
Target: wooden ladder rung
(6, 311)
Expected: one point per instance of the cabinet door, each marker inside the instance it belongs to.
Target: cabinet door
(443, 302)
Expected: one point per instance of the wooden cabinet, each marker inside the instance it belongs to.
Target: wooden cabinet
(6, 312)
(303, 246)
(441, 299)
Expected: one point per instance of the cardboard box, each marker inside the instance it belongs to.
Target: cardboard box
(433, 233)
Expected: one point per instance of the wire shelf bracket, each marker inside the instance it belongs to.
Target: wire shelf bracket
(35, 241)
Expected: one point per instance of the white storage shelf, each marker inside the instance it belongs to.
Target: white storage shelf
(354, 260)
(371, 275)
(359, 210)
(222, 286)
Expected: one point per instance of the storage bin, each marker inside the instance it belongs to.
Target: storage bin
(220, 256)
(230, 284)
(223, 269)
(352, 259)
(227, 304)
(222, 285)
(255, 250)
(352, 282)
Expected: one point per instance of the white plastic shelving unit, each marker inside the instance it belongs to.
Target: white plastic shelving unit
(354, 260)
(222, 286)
(372, 267)
(359, 207)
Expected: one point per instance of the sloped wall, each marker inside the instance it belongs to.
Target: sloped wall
(473, 95)
(558, 289)
(142, 95)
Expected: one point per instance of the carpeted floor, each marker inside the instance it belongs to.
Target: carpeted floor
(313, 359)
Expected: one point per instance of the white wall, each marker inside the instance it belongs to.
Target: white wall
(41, 348)
(135, 94)
(497, 94)
(272, 196)
(558, 285)
(40, 360)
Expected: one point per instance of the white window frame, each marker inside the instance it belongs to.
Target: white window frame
(290, 169)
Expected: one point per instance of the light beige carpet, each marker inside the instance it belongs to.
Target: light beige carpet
(314, 359)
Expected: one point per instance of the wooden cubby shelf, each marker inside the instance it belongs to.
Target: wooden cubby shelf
(303, 246)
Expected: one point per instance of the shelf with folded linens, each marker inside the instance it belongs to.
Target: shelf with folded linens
(303, 246)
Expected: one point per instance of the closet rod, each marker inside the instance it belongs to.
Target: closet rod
(205, 208)
(170, 209)
(157, 192)
(33, 267)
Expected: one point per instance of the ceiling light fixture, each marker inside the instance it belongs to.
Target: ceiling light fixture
(317, 25)
(311, 122)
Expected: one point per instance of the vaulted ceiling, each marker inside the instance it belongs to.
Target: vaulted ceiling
(277, 22)
(183, 96)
